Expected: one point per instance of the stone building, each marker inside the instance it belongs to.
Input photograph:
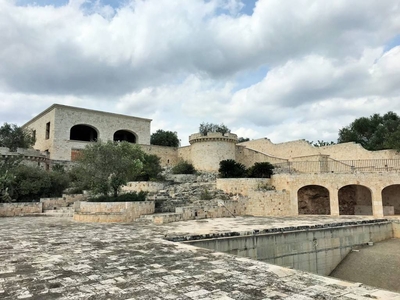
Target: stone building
(339, 179)
(62, 130)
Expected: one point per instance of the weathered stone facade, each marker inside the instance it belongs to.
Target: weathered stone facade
(61, 129)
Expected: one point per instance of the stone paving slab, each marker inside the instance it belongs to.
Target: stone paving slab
(49, 258)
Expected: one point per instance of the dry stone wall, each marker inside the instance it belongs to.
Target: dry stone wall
(20, 209)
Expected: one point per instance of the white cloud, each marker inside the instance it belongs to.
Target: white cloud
(177, 62)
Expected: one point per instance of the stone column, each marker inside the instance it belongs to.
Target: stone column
(377, 204)
(334, 201)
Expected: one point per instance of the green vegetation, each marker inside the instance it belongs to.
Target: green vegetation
(127, 197)
(105, 167)
(164, 138)
(13, 137)
(242, 140)
(183, 167)
(321, 143)
(205, 128)
(24, 183)
(151, 169)
(205, 195)
(229, 168)
(374, 133)
(260, 170)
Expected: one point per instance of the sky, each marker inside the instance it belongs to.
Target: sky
(280, 69)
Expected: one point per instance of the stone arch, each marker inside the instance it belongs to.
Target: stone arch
(83, 132)
(391, 200)
(355, 199)
(125, 135)
(313, 200)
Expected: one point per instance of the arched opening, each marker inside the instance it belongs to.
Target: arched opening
(84, 133)
(124, 135)
(355, 200)
(313, 200)
(391, 200)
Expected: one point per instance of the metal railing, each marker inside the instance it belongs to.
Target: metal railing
(336, 166)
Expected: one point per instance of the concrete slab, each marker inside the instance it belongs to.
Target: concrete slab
(49, 258)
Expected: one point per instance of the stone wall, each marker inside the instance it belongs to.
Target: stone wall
(168, 155)
(111, 211)
(184, 153)
(249, 157)
(301, 148)
(317, 251)
(268, 203)
(242, 186)
(145, 186)
(20, 209)
(64, 201)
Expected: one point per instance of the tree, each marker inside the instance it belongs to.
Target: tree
(205, 128)
(321, 143)
(183, 167)
(242, 140)
(229, 168)
(260, 170)
(13, 137)
(105, 167)
(164, 138)
(374, 133)
(151, 168)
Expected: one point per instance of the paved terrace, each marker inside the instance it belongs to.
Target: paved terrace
(48, 258)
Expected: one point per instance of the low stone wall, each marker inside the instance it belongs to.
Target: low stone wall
(181, 178)
(210, 211)
(146, 186)
(20, 209)
(111, 211)
(243, 186)
(64, 201)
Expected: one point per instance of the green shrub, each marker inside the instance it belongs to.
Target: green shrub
(183, 167)
(128, 197)
(260, 170)
(231, 169)
(151, 169)
(205, 195)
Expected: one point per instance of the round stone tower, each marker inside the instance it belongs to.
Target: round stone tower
(208, 150)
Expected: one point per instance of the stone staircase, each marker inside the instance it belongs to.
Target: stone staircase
(189, 201)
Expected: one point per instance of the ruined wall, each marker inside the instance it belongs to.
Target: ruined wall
(20, 209)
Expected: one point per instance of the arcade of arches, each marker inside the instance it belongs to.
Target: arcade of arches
(353, 199)
(86, 133)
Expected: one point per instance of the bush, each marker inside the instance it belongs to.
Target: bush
(128, 197)
(205, 195)
(151, 169)
(260, 170)
(183, 167)
(33, 183)
(231, 169)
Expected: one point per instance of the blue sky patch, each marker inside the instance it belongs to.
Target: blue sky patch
(392, 43)
(249, 78)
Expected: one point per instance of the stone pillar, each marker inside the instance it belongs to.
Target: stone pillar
(334, 201)
(377, 204)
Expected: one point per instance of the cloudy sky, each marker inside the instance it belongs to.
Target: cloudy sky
(280, 69)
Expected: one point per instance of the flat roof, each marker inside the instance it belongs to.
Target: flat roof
(61, 106)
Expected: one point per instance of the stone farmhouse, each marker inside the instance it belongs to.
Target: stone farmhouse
(343, 179)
